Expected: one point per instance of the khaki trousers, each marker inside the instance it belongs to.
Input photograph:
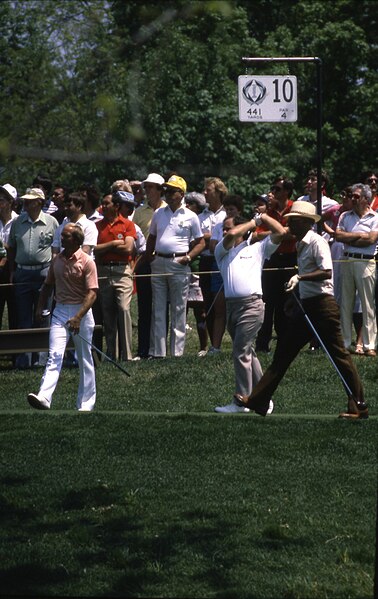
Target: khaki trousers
(116, 291)
(360, 275)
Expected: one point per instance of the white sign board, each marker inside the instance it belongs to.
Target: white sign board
(269, 99)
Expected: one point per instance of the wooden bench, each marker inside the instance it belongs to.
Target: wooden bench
(19, 341)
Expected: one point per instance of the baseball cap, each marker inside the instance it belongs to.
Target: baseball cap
(9, 190)
(154, 178)
(124, 197)
(176, 181)
(33, 193)
(194, 197)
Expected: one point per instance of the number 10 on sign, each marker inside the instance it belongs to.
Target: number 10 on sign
(267, 99)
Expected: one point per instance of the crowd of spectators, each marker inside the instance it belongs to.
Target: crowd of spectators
(156, 239)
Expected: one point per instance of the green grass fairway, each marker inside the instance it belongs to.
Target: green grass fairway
(155, 495)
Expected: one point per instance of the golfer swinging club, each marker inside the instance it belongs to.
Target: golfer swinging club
(319, 304)
(74, 275)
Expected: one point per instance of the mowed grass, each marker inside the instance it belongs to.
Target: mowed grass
(155, 495)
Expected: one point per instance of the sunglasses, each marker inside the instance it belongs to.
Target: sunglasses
(372, 180)
(170, 189)
(276, 188)
(356, 196)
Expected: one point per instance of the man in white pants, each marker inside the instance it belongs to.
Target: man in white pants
(357, 229)
(240, 264)
(74, 275)
(175, 239)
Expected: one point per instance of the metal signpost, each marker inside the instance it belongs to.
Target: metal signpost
(278, 103)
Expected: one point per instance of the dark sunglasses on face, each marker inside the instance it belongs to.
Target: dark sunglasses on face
(170, 190)
(276, 188)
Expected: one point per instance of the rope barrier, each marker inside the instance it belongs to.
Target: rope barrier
(209, 272)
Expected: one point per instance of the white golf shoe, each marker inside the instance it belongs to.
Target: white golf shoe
(232, 408)
(39, 403)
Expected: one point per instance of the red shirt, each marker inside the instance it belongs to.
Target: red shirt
(374, 204)
(286, 247)
(119, 229)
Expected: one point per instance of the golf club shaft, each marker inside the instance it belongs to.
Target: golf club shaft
(93, 346)
(347, 388)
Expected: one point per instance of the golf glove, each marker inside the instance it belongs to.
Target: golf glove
(293, 282)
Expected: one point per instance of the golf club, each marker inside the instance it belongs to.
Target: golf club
(346, 386)
(47, 313)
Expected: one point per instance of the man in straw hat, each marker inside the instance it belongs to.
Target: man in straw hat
(316, 294)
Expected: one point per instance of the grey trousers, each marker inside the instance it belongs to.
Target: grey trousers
(244, 319)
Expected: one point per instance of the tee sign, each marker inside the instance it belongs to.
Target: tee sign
(270, 98)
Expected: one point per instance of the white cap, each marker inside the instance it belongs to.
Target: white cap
(11, 191)
(154, 178)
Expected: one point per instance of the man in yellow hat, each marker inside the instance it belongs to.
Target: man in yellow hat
(175, 239)
(320, 307)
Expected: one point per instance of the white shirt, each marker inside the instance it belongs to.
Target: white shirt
(326, 202)
(217, 232)
(241, 266)
(209, 220)
(140, 241)
(5, 229)
(174, 230)
(95, 216)
(350, 221)
(89, 229)
(313, 253)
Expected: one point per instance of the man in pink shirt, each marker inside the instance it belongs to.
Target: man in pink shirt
(74, 275)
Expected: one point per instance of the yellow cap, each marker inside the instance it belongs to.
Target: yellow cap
(176, 181)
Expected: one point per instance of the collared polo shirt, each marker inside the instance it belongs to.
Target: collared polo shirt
(32, 240)
(313, 254)
(209, 220)
(73, 277)
(119, 229)
(241, 266)
(350, 221)
(174, 230)
(143, 217)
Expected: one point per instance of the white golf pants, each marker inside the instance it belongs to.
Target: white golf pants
(59, 336)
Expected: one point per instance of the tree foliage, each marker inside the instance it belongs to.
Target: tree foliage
(102, 89)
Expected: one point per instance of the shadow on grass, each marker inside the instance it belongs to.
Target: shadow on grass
(31, 579)
(131, 551)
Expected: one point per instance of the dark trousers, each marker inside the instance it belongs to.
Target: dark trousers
(323, 312)
(206, 265)
(7, 298)
(144, 298)
(275, 296)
